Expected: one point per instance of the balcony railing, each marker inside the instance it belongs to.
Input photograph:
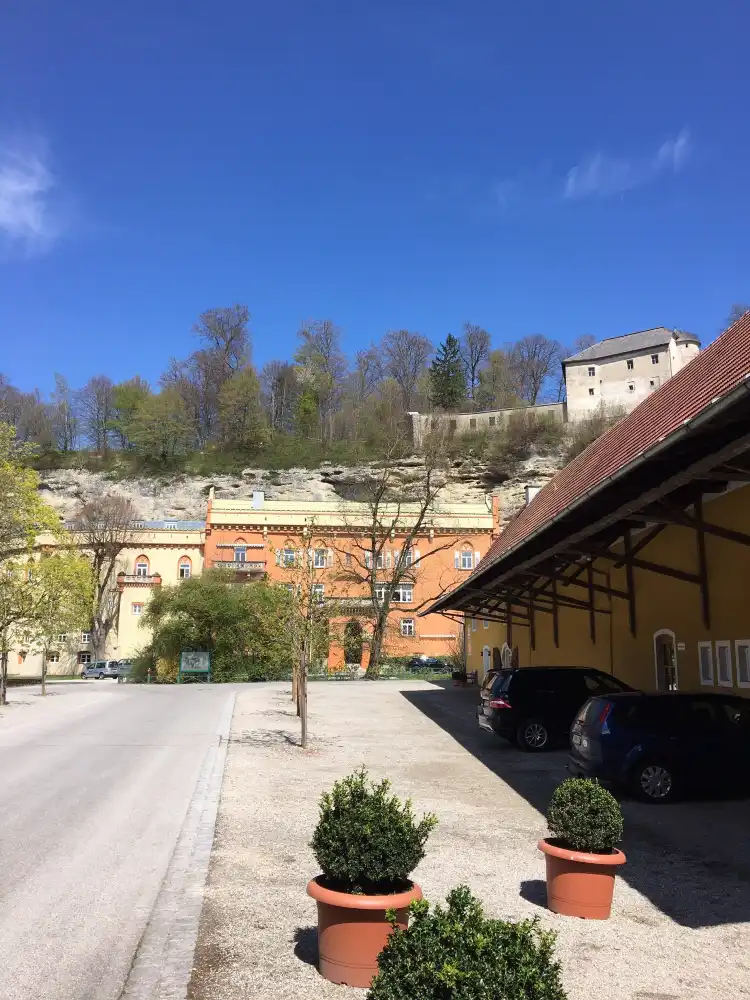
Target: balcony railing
(150, 580)
(241, 565)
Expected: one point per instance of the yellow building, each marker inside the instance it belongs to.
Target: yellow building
(157, 552)
(635, 558)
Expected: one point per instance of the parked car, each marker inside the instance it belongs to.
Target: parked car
(124, 670)
(99, 669)
(535, 706)
(427, 664)
(661, 745)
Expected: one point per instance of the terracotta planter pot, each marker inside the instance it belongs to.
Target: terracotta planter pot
(580, 884)
(352, 931)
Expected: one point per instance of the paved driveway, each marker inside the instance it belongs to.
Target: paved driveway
(97, 783)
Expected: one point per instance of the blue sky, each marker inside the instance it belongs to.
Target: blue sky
(570, 168)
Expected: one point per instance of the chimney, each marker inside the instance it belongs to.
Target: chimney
(531, 492)
(258, 499)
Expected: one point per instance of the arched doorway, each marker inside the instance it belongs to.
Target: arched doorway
(665, 660)
(486, 661)
(353, 642)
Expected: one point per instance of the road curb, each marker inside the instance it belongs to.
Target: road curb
(163, 961)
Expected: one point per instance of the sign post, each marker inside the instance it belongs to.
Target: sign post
(194, 663)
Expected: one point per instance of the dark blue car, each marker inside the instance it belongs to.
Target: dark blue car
(659, 746)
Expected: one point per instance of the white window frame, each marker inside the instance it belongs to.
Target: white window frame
(133, 606)
(399, 593)
(53, 657)
(473, 624)
(141, 569)
(62, 638)
(85, 637)
(317, 590)
(739, 644)
(592, 371)
(288, 557)
(320, 558)
(184, 565)
(708, 646)
(724, 644)
(84, 657)
(379, 591)
(407, 628)
(467, 559)
(485, 623)
(239, 552)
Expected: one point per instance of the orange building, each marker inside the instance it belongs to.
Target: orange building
(274, 539)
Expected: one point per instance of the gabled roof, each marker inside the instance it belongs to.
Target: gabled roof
(697, 389)
(642, 340)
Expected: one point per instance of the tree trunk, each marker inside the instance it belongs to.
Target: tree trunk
(303, 701)
(295, 672)
(44, 673)
(376, 649)
(4, 677)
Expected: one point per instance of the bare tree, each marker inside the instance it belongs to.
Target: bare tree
(533, 360)
(737, 311)
(384, 558)
(280, 389)
(405, 356)
(64, 420)
(475, 350)
(226, 334)
(96, 407)
(103, 527)
(581, 343)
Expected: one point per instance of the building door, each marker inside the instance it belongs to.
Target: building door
(486, 660)
(665, 660)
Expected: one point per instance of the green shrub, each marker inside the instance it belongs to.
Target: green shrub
(367, 840)
(583, 816)
(456, 953)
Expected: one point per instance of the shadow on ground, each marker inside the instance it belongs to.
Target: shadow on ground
(690, 859)
(306, 945)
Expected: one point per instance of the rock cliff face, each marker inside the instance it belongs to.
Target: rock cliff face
(185, 497)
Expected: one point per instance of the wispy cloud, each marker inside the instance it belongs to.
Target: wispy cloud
(29, 223)
(601, 175)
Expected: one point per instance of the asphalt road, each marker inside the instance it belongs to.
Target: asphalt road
(95, 783)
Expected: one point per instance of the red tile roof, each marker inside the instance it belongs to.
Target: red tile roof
(721, 367)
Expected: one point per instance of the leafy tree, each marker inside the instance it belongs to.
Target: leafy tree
(241, 417)
(240, 625)
(447, 375)
(323, 369)
(127, 398)
(160, 428)
(498, 387)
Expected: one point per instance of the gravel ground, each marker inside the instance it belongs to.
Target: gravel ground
(679, 930)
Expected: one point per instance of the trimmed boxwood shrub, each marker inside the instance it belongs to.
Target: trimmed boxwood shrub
(583, 816)
(457, 953)
(366, 839)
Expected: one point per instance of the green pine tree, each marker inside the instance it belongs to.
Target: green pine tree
(448, 376)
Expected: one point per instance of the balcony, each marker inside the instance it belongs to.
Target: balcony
(240, 565)
(149, 580)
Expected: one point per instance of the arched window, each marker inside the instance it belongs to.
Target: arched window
(141, 566)
(464, 557)
(240, 550)
(184, 568)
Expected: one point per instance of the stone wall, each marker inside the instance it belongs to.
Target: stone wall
(466, 423)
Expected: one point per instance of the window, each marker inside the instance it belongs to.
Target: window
(85, 637)
(379, 591)
(347, 558)
(591, 392)
(141, 566)
(723, 664)
(592, 371)
(317, 591)
(485, 623)
(654, 359)
(407, 626)
(472, 423)
(184, 569)
(408, 557)
(136, 609)
(492, 421)
(403, 593)
(53, 657)
(742, 654)
(467, 560)
(240, 552)
(706, 663)
(287, 557)
(319, 559)
(630, 364)
(380, 561)
(652, 383)
(170, 525)
(452, 425)
(289, 587)
(84, 657)
(631, 387)
(62, 638)
(473, 624)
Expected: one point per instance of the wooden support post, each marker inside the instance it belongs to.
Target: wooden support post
(592, 604)
(555, 621)
(532, 623)
(509, 625)
(631, 581)
(702, 562)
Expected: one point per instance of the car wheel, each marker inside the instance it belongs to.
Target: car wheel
(654, 781)
(532, 735)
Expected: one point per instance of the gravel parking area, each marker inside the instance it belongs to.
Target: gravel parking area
(680, 923)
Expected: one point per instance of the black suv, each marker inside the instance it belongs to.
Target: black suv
(535, 706)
